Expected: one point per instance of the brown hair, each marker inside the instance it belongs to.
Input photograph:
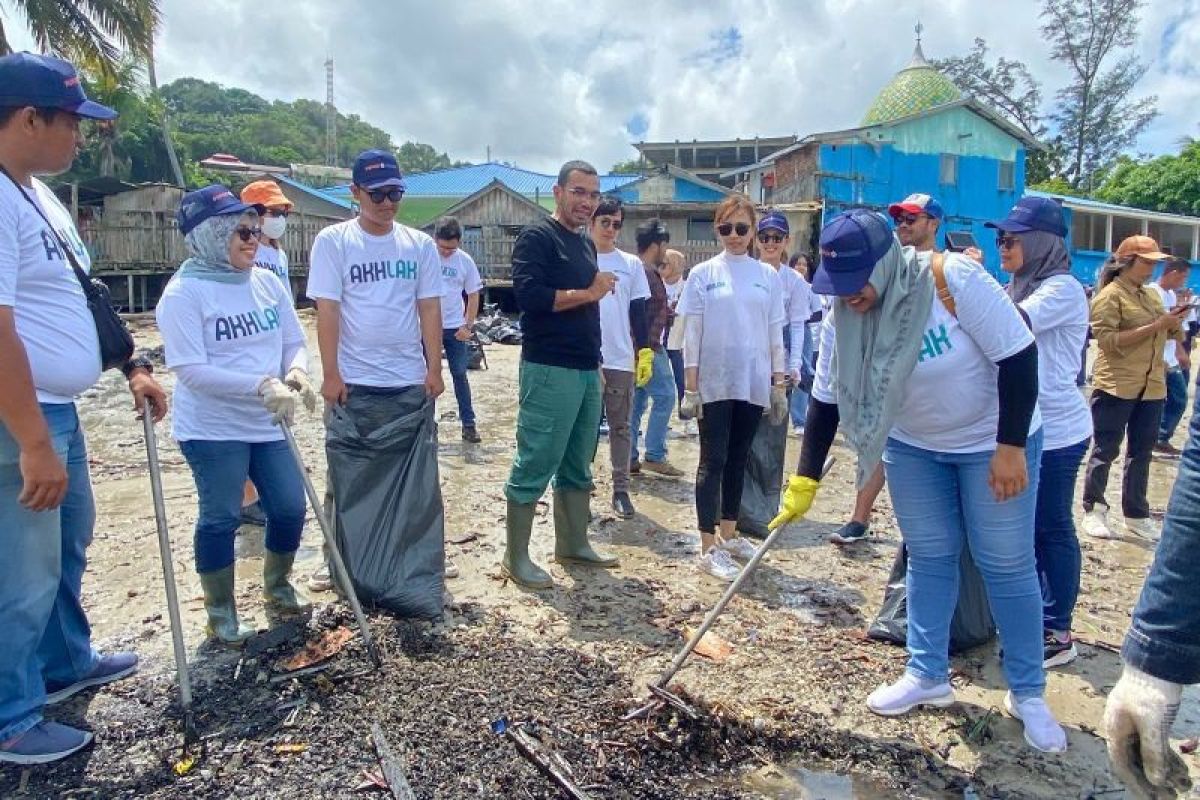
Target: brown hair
(733, 204)
(1114, 267)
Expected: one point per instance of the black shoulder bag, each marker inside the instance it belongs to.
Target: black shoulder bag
(116, 342)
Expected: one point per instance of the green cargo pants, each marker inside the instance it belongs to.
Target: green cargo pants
(557, 423)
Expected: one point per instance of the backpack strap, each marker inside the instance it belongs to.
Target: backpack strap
(937, 264)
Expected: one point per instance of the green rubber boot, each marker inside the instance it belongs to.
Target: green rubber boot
(223, 624)
(517, 564)
(280, 596)
(571, 546)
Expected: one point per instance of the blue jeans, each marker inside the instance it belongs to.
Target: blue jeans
(798, 404)
(660, 394)
(676, 359)
(45, 633)
(1177, 394)
(1057, 546)
(220, 469)
(942, 499)
(456, 357)
(1164, 635)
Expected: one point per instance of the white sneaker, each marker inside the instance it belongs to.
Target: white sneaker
(451, 569)
(1042, 730)
(1146, 528)
(691, 427)
(738, 547)
(1095, 523)
(908, 693)
(798, 431)
(716, 562)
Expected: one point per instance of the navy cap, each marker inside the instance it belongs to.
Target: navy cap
(1033, 214)
(27, 79)
(377, 169)
(776, 220)
(851, 244)
(211, 201)
(918, 204)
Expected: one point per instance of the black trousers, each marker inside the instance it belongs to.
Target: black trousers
(726, 432)
(1115, 419)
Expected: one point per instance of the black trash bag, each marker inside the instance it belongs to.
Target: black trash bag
(388, 517)
(764, 478)
(971, 625)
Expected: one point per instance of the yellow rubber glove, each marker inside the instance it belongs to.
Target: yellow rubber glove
(797, 500)
(645, 367)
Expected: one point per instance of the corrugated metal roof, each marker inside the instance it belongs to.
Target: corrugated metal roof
(302, 187)
(466, 181)
(1099, 206)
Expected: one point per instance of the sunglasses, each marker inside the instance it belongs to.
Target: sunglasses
(379, 195)
(277, 212)
(726, 228)
(1007, 242)
(609, 222)
(770, 238)
(246, 234)
(906, 219)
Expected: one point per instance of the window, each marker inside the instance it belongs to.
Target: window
(1123, 228)
(1173, 238)
(700, 229)
(1007, 179)
(1088, 232)
(948, 174)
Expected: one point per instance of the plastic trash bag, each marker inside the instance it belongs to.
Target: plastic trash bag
(388, 517)
(764, 478)
(972, 623)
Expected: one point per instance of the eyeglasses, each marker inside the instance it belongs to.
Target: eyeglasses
(581, 193)
(906, 219)
(609, 222)
(379, 195)
(1007, 242)
(726, 228)
(770, 238)
(246, 234)
(280, 212)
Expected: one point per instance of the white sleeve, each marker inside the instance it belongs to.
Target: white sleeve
(472, 282)
(205, 379)
(775, 330)
(10, 250)
(1055, 303)
(295, 346)
(181, 324)
(429, 270)
(691, 340)
(985, 311)
(825, 381)
(325, 268)
(641, 286)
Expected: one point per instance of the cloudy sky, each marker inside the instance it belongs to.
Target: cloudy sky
(541, 82)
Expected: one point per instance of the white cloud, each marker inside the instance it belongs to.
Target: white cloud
(543, 82)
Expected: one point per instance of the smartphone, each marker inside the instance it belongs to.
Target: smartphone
(958, 241)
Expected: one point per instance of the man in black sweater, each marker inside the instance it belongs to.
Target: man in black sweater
(558, 288)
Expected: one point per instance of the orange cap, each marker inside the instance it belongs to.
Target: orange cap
(265, 193)
(1141, 246)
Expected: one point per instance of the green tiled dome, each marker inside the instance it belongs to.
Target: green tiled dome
(918, 87)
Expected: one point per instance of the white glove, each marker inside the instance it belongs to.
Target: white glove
(692, 406)
(1137, 723)
(779, 405)
(297, 380)
(278, 400)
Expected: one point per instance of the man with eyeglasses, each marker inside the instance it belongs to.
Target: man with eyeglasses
(378, 286)
(50, 353)
(558, 288)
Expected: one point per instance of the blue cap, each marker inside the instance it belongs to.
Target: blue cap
(851, 244)
(1033, 214)
(377, 169)
(27, 79)
(211, 201)
(776, 220)
(917, 204)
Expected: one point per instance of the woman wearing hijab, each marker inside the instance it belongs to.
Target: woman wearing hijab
(1055, 307)
(1128, 383)
(932, 370)
(235, 344)
(734, 361)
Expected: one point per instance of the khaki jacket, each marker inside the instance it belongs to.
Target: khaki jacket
(1135, 371)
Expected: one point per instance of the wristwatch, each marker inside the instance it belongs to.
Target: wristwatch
(137, 362)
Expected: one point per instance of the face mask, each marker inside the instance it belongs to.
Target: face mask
(273, 227)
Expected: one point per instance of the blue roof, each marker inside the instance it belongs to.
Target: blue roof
(317, 193)
(466, 181)
(1112, 208)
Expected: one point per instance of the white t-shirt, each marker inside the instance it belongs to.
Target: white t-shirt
(797, 302)
(616, 340)
(49, 307)
(459, 274)
(240, 327)
(739, 301)
(378, 281)
(274, 260)
(951, 404)
(1058, 315)
(1168, 300)
(674, 290)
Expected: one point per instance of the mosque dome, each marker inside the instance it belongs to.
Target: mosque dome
(916, 88)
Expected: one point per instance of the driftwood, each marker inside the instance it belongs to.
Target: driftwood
(393, 772)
